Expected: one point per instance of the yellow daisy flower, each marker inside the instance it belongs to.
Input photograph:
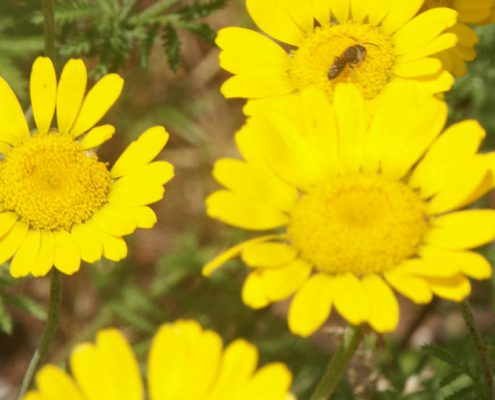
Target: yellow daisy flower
(58, 203)
(185, 362)
(368, 43)
(470, 12)
(357, 204)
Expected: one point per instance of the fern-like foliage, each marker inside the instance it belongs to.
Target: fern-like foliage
(113, 30)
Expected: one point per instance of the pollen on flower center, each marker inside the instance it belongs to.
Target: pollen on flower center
(324, 50)
(51, 183)
(358, 223)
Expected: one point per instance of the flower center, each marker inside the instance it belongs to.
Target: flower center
(428, 4)
(358, 223)
(51, 183)
(350, 52)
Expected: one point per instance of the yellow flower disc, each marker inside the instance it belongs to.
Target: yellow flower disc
(51, 183)
(324, 48)
(359, 224)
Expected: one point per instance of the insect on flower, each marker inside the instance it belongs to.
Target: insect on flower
(351, 56)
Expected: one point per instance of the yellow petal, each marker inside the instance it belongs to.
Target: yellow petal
(167, 363)
(311, 305)
(140, 152)
(456, 288)
(7, 221)
(90, 247)
(352, 124)
(253, 294)
(43, 90)
(258, 84)
(25, 257)
(97, 136)
(440, 43)
(56, 384)
(321, 11)
(13, 125)
(280, 283)
(359, 10)
(341, 9)
(67, 257)
(419, 67)
(233, 252)
(134, 193)
(144, 217)
(253, 183)
(244, 50)
(46, 255)
(399, 14)
(98, 101)
(236, 210)
(384, 309)
(378, 11)
(414, 288)
(422, 29)
(470, 263)
(461, 185)
(109, 219)
(70, 95)
(456, 145)
(107, 370)
(121, 364)
(270, 382)
(12, 240)
(462, 230)
(408, 126)
(114, 248)
(239, 361)
(427, 266)
(273, 18)
(350, 298)
(268, 255)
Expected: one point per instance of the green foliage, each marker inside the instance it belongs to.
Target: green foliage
(17, 47)
(9, 297)
(112, 30)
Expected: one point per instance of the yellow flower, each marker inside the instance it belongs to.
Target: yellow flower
(357, 204)
(367, 43)
(58, 203)
(185, 363)
(470, 12)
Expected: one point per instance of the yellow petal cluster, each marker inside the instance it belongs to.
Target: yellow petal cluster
(185, 362)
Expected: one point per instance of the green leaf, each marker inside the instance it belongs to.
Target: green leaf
(5, 318)
(172, 44)
(26, 304)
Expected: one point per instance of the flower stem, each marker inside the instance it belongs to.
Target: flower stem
(48, 333)
(481, 348)
(49, 27)
(338, 364)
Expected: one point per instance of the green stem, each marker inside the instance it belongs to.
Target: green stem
(338, 364)
(481, 348)
(48, 333)
(49, 26)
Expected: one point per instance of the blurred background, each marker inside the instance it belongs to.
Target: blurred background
(165, 53)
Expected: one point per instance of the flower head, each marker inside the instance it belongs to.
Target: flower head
(185, 362)
(59, 204)
(470, 12)
(367, 43)
(357, 203)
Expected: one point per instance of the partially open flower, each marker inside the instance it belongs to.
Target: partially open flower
(59, 204)
(356, 204)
